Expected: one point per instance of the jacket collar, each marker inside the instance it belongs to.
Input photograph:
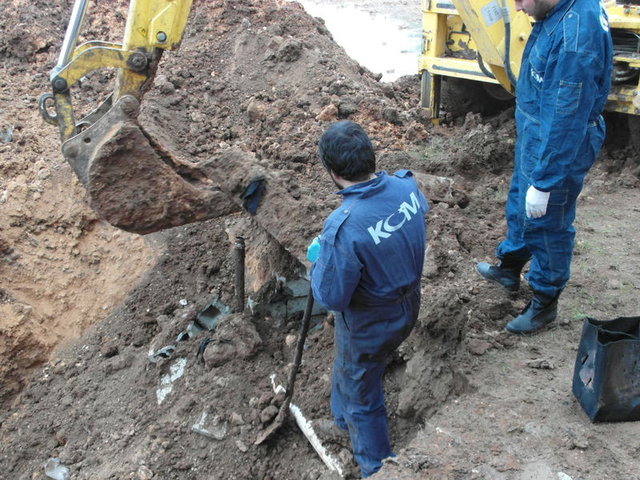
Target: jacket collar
(366, 188)
(556, 14)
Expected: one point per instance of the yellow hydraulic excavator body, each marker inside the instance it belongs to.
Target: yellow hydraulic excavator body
(624, 21)
(467, 39)
(483, 41)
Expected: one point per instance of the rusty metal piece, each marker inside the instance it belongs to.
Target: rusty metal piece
(239, 254)
(137, 61)
(129, 106)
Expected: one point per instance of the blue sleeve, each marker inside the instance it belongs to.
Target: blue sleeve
(337, 271)
(569, 100)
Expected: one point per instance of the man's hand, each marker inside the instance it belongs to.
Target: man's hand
(536, 202)
(313, 250)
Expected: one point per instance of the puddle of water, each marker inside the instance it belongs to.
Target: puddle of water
(380, 43)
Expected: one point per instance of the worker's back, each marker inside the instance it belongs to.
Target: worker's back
(378, 242)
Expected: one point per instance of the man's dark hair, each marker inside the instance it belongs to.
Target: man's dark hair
(346, 150)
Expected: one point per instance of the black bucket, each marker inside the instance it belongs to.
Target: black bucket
(606, 378)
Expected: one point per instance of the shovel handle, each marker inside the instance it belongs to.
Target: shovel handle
(284, 408)
(302, 337)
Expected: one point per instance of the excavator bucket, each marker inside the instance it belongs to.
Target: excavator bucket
(132, 182)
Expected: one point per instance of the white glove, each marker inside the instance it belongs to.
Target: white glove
(536, 202)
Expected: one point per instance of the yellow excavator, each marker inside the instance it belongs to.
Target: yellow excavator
(483, 40)
(132, 182)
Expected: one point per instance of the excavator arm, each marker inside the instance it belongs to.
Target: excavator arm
(132, 182)
(500, 34)
(152, 27)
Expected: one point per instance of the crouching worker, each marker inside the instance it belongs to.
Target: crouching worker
(367, 269)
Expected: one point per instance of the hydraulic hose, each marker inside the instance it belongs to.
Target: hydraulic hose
(71, 35)
(507, 45)
(483, 67)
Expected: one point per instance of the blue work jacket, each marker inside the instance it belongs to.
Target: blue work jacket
(562, 88)
(372, 246)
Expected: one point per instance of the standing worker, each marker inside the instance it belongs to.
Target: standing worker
(561, 91)
(367, 269)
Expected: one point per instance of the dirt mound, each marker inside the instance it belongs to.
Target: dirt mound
(130, 395)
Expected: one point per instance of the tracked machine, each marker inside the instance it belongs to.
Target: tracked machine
(481, 42)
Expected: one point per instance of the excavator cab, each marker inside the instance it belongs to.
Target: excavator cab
(132, 182)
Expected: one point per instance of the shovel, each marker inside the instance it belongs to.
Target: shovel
(268, 432)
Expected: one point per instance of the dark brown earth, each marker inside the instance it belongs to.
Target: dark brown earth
(83, 305)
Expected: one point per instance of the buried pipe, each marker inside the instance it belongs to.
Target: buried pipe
(238, 248)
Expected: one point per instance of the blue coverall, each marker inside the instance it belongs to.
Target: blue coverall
(561, 91)
(368, 272)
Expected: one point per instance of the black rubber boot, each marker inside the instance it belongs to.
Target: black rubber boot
(506, 273)
(539, 312)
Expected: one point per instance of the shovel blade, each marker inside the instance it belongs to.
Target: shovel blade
(272, 429)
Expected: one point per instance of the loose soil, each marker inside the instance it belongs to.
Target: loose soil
(84, 306)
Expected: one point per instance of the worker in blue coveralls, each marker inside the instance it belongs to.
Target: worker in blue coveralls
(367, 269)
(560, 94)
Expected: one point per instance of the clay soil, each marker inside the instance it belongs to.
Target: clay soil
(84, 306)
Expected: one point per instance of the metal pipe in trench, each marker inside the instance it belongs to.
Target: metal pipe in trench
(238, 248)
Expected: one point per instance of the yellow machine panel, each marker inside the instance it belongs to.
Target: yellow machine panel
(483, 41)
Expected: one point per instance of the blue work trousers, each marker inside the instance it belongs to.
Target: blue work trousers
(548, 241)
(364, 340)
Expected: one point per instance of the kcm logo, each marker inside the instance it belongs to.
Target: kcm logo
(384, 228)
